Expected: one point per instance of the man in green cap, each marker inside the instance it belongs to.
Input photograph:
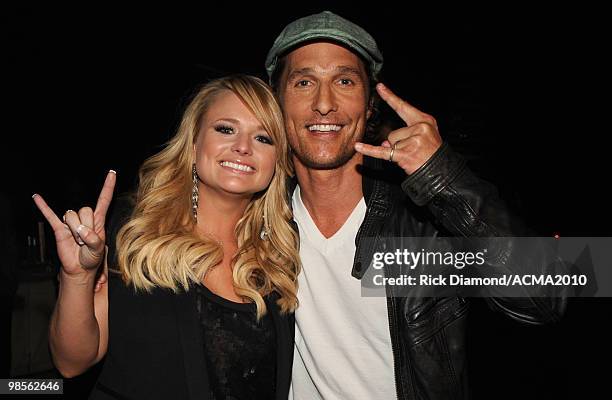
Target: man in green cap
(325, 71)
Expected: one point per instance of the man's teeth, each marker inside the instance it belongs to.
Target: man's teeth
(324, 128)
(240, 167)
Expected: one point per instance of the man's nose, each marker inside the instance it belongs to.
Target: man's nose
(325, 100)
(242, 144)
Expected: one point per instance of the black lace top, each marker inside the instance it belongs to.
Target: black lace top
(240, 352)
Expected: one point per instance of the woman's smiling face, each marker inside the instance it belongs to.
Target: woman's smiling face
(234, 154)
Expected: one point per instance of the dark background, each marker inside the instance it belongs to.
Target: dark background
(522, 93)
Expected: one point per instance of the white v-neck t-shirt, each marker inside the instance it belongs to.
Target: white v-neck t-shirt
(342, 340)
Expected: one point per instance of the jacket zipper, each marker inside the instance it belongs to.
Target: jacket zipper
(400, 392)
(396, 371)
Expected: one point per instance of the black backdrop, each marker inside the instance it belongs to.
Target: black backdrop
(521, 92)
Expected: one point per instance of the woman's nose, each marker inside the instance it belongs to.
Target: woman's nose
(242, 144)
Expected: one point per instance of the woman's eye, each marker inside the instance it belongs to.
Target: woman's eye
(224, 129)
(264, 139)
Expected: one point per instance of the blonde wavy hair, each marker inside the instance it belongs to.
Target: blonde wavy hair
(158, 246)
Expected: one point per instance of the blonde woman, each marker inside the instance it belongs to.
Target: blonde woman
(201, 267)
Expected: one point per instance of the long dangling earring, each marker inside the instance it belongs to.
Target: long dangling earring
(194, 193)
(263, 235)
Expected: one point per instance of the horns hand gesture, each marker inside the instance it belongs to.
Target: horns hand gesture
(80, 237)
(411, 146)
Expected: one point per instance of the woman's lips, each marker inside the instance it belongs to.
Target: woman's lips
(237, 167)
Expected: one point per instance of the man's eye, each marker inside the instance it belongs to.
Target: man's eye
(346, 81)
(264, 139)
(302, 83)
(224, 129)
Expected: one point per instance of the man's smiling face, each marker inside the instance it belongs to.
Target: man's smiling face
(324, 95)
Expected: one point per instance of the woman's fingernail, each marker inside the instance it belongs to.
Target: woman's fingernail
(113, 171)
(34, 195)
(80, 228)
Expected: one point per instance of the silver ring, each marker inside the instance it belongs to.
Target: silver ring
(79, 240)
(392, 151)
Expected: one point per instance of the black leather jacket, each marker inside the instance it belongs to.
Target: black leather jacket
(427, 333)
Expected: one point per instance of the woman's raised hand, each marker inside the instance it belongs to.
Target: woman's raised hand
(81, 237)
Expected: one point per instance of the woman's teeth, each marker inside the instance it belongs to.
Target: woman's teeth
(240, 167)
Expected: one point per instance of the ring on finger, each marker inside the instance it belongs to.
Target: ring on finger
(78, 235)
(392, 151)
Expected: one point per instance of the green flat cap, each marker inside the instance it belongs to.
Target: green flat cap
(326, 26)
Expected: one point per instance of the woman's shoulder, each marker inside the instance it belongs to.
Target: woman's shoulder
(271, 300)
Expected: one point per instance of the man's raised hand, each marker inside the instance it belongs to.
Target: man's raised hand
(410, 146)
